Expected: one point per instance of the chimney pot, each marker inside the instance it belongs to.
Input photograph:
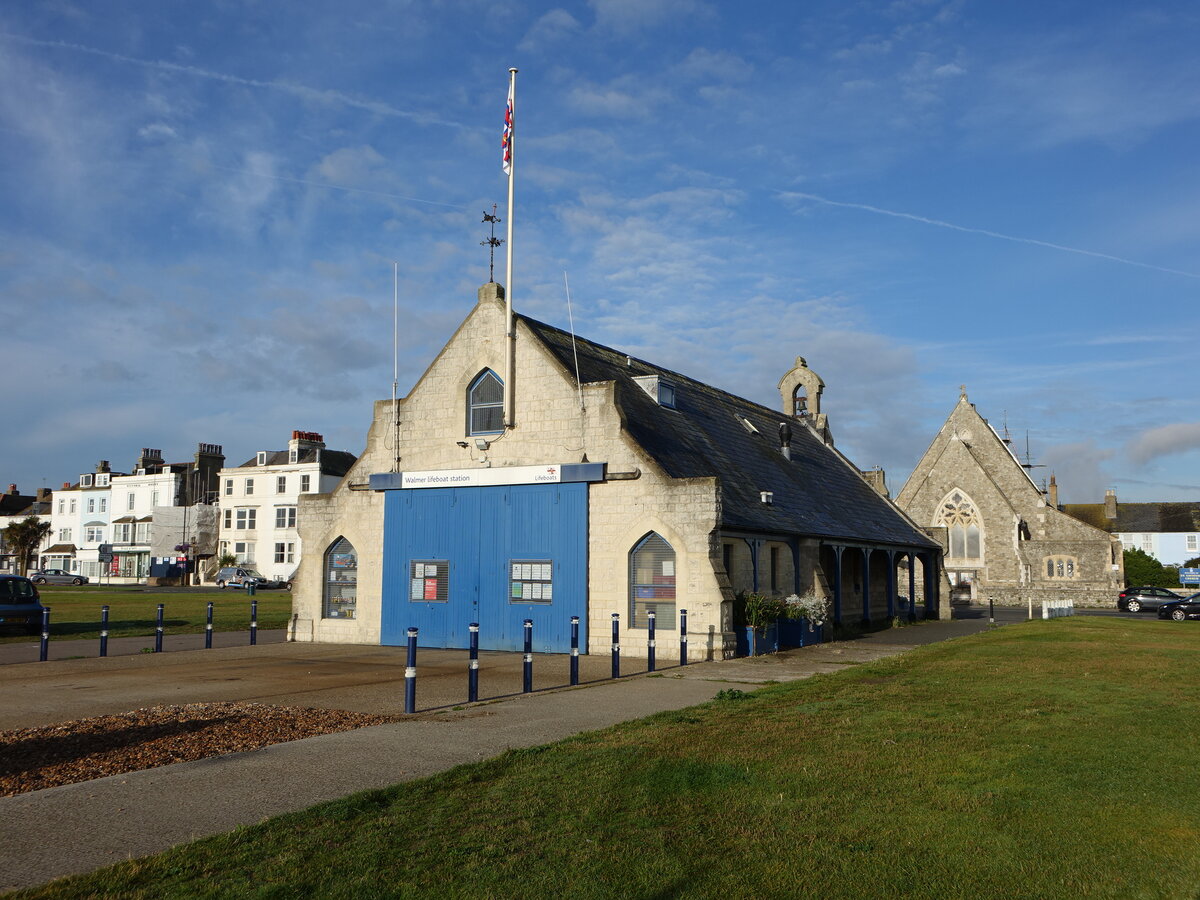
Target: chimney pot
(12, 488)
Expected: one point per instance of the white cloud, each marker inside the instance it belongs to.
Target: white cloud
(630, 16)
(1079, 470)
(1165, 440)
(552, 28)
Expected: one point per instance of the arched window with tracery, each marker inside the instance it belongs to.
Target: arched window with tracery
(341, 580)
(961, 519)
(652, 582)
(485, 404)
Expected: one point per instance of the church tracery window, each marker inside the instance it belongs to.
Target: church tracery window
(961, 519)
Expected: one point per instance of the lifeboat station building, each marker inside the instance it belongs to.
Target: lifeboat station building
(530, 474)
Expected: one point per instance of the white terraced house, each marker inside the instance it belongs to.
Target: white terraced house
(258, 501)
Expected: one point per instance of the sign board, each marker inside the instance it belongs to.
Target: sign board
(1189, 576)
(487, 476)
(482, 477)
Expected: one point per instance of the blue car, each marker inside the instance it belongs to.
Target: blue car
(1181, 610)
(20, 605)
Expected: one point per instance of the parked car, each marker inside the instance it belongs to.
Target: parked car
(239, 577)
(57, 576)
(1136, 599)
(20, 605)
(1182, 609)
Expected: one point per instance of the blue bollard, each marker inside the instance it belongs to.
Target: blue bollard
(574, 649)
(473, 669)
(253, 622)
(158, 630)
(683, 637)
(410, 674)
(208, 628)
(44, 654)
(650, 616)
(104, 630)
(616, 645)
(527, 681)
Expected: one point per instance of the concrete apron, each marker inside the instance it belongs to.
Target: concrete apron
(141, 813)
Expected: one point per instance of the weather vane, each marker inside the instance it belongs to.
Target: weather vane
(492, 242)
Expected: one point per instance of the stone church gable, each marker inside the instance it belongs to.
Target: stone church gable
(1011, 545)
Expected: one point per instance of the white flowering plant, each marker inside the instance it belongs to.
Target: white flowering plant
(810, 606)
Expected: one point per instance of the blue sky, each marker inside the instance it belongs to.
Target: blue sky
(200, 205)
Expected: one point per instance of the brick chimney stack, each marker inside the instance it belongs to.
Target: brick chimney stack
(1053, 492)
(12, 489)
(1110, 504)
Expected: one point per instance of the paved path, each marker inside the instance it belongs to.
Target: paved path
(81, 827)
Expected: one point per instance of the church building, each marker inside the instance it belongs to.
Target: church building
(531, 474)
(1003, 539)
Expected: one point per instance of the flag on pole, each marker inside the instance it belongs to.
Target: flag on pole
(506, 143)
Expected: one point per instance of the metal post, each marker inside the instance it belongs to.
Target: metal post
(104, 630)
(253, 622)
(473, 665)
(527, 683)
(208, 628)
(683, 637)
(651, 616)
(574, 650)
(158, 630)
(45, 651)
(991, 611)
(616, 645)
(410, 674)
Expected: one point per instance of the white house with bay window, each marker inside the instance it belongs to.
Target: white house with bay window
(258, 501)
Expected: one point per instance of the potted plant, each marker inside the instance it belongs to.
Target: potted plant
(805, 617)
(762, 617)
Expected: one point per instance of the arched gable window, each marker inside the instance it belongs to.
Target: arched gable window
(341, 580)
(652, 582)
(959, 516)
(485, 404)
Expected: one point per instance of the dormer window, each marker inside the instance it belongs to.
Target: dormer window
(85, 480)
(102, 480)
(485, 404)
(293, 456)
(262, 457)
(658, 388)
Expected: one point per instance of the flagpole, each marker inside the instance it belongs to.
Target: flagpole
(511, 338)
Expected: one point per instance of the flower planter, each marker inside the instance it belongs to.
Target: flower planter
(799, 633)
(757, 641)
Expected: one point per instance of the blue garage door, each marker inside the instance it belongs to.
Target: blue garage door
(492, 555)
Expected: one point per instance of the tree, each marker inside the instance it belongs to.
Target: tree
(23, 539)
(1193, 563)
(1143, 569)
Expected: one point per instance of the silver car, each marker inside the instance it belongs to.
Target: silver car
(56, 576)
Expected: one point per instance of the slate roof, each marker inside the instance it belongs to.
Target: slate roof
(1160, 518)
(333, 462)
(816, 494)
(16, 504)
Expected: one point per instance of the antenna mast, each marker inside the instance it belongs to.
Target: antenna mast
(395, 366)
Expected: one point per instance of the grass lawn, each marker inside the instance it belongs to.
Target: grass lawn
(75, 611)
(1046, 759)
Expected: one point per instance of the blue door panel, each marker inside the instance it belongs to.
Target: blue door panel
(479, 531)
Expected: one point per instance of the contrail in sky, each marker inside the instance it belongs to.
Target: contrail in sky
(300, 91)
(995, 234)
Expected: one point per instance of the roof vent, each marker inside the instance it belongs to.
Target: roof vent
(767, 497)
